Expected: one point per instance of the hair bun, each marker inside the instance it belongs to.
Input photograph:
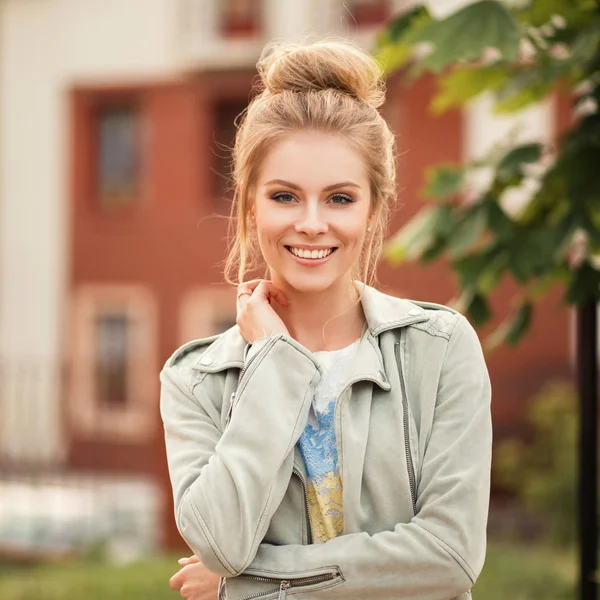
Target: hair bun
(337, 65)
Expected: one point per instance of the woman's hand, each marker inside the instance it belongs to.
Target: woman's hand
(255, 315)
(194, 581)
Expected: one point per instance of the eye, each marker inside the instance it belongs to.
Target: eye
(283, 197)
(341, 199)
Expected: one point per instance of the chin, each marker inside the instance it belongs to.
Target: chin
(309, 284)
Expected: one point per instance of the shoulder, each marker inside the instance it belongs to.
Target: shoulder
(438, 319)
(210, 355)
(190, 352)
(445, 323)
(387, 312)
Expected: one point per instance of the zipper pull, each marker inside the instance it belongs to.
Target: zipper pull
(283, 588)
(231, 401)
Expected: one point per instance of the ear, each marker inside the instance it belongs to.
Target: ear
(373, 218)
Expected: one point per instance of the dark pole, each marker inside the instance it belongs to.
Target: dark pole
(587, 376)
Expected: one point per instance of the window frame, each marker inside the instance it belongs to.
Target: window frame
(202, 307)
(87, 102)
(108, 201)
(245, 28)
(87, 415)
(221, 196)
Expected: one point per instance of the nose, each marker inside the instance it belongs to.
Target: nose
(312, 222)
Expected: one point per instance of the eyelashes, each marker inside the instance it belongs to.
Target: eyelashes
(287, 198)
(283, 197)
(345, 199)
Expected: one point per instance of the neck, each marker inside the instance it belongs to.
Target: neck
(324, 320)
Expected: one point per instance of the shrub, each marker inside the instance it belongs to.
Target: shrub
(543, 473)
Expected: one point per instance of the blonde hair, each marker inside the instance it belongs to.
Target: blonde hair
(333, 87)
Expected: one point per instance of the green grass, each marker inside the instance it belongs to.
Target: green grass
(520, 572)
(515, 572)
(144, 580)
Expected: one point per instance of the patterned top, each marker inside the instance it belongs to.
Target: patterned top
(318, 447)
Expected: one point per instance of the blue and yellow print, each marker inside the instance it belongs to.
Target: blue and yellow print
(318, 447)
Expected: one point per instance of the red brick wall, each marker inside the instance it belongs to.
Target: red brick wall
(173, 239)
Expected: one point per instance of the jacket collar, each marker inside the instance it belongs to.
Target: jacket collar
(382, 313)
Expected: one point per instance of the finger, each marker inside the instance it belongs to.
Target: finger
(244, 292)
(248, 287)
(176, 581)
(267, 290)
(188, 561)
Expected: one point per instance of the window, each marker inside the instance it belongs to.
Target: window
(205, 311)
(368, 12)
(113, 363)
(112, 352)
(118, 155)
(241, 18)
(226, 113)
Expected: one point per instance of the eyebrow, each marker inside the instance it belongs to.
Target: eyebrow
(295, 186)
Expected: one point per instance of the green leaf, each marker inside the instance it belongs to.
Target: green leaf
(503, 228)
(533, 252)
(467, 232)
(585, 284)
(435, 249)
(404, 26)
(575, 12)
(466, 82)
(467, 33)
(469, 268)
(479, 309)
(513, 329)
(582, 174)
(443, 180)
(511, 164)
(529, 85)
(550, 204)
(414, 238)
(394, 46)
(492, 274)
(392, 57)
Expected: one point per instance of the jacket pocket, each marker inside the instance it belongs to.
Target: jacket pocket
(267, 587)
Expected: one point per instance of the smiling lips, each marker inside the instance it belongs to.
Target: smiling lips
(315, 254)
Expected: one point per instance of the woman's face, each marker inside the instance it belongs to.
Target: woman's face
(311, 206)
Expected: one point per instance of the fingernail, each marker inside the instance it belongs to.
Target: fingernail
(182, 560)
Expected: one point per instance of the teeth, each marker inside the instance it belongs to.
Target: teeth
(314, 254)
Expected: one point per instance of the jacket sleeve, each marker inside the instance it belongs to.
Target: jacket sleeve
(440, 552)
(227, 485)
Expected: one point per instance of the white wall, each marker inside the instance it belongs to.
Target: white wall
(45, 47)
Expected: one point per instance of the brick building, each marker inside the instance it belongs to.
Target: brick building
(115, 203)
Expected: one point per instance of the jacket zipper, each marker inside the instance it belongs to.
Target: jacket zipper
(235, 394)
(409, 461)
(309, 522)
(286, 584)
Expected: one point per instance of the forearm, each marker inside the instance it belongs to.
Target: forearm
(439, 554)
(224, 507)
(407, 563)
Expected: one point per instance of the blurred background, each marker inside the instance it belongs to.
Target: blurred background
(115, 119)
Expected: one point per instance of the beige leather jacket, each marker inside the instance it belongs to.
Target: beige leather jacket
(414, 439)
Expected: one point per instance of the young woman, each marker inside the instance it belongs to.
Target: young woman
(336, 443)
